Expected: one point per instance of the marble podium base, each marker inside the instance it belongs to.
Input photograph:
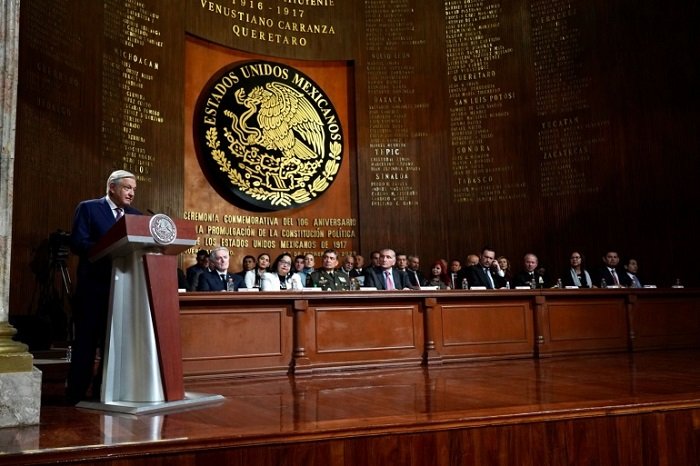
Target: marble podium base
(20, 398)
(129, 407)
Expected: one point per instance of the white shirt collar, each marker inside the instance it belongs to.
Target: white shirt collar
(111, 203)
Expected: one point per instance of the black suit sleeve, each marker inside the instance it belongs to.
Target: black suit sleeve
(404, 281)
(372, 281)
(238, 281)
(461, 275)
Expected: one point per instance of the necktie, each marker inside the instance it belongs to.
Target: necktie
(389, 280)
(614, 275)
(223, 277)
(489, 280)
(635, 282)
(119, 213)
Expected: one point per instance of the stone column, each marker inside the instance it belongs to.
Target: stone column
(20, 383)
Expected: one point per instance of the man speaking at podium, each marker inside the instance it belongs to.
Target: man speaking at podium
(92, 220)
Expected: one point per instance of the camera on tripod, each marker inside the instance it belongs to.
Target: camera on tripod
(59, 246)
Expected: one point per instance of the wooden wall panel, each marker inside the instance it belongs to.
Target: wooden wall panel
(100, 89)
(659, 322)
(361, 335)
(588, 323)
(235, 334)
(334, 325)
(484, 329)
(236, 340)
(481, 122)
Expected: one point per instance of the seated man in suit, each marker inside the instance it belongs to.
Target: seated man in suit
(299, 266)
(532, 276)
(193, 272)
(487, 272)
(374, 263)
(472, 260)
(327, 277)
(219, 278)
(249, 263)
(610, 272)
(402, 262)
(386, 276)
(453, 272)
(358, 271)
(309, 263)
(348, 264)
(415, 276)
(632, 268)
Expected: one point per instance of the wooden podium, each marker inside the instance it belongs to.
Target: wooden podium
(143, 353)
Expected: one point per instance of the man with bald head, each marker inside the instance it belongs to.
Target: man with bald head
(532, 275)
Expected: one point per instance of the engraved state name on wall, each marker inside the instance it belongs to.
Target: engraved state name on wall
(267, 137)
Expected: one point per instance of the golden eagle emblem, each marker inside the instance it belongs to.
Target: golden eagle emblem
(281, 149)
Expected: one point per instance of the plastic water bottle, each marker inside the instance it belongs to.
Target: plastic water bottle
(559, 283)
(465, 284)
(229, 284)
(69, 353)
(603, 283)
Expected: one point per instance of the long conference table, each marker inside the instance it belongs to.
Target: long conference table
(240, 334)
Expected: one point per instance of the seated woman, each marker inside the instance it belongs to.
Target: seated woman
(253, 277)
(504, 264)
(438, 275)
(280, 276)
(577, 275)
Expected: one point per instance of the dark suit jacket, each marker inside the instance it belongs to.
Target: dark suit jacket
(465, 272)
(91, 221)
(416, 277)
(193, 273)
(604, 273)
(475, 276)
(339, 281)
(210, 281)
(523, 278)
(376, 278)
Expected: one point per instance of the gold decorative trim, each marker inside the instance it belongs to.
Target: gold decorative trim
(14, 356)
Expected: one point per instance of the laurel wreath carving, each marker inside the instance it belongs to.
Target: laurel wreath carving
(310, 190)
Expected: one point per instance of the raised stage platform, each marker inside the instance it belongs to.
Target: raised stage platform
(628, 408)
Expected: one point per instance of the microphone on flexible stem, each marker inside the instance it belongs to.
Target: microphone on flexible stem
(150, 211)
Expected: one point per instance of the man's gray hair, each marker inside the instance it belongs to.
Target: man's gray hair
(118, 175)
(212, 254)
